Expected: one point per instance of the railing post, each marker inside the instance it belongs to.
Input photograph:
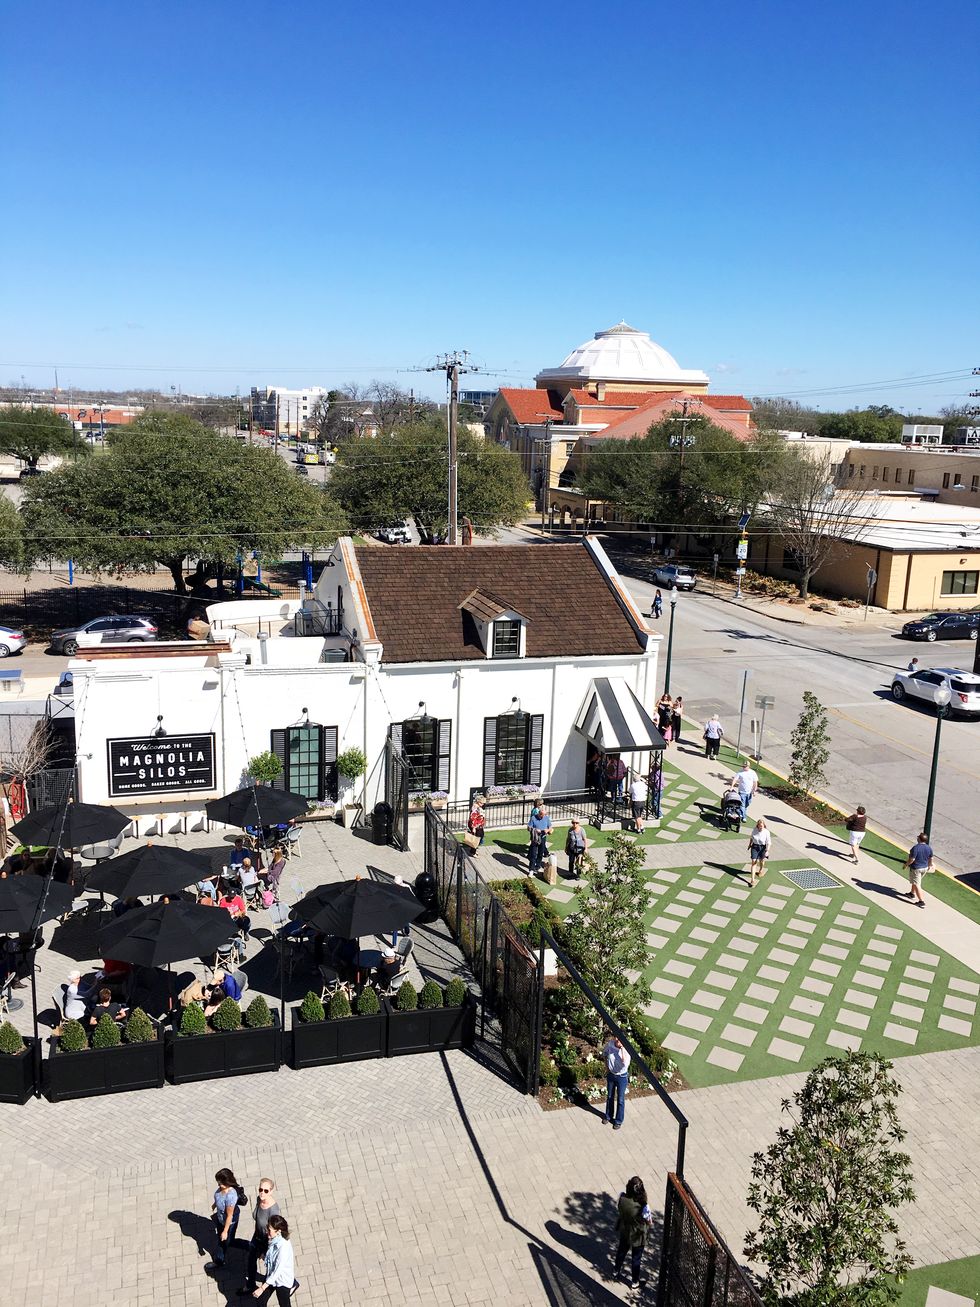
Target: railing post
(535, 1068)
(663, 1279)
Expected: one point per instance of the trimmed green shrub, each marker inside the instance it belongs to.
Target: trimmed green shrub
(340, 1005)
(407, 998)
(73, 1037)
(11, 1040)
(368, 1004)
(547, 1072)
(352, 763)
(431, 995)
(139, 1028)
(265, 767)
(311, 1009)
(455, 995)
(257, 1013)
(192, 1020)
(106, 1033)
(228, 1016)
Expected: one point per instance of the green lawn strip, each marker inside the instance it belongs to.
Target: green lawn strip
(962, 1277)
(798, 957)
(943, 886)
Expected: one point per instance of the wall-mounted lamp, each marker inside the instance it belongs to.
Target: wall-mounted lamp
(159, 731)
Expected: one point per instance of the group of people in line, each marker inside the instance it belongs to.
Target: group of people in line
(269, 1243)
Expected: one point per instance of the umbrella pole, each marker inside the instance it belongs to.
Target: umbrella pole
(36, 1052)
(282, 979)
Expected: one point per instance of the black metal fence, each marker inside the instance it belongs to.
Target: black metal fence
(508, 811)
(396, 793)
(50, 787)
(497, 953)
(697, 1268)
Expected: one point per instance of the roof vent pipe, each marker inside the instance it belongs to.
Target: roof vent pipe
(263, 638)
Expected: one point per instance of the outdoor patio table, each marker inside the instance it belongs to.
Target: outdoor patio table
(367, 960)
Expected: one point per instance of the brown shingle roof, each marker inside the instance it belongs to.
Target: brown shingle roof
(487, 607)
(415, 595)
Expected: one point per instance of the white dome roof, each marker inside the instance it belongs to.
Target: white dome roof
(621, 354)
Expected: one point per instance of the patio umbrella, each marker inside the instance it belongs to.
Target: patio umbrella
(19, 899)
(70, 827)
(162, 933)
(151, 869)
(352, 908)
(256, 806)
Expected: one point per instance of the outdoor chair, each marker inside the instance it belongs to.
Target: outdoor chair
(251, 888)
(279, 915)
(394, 984)
(291, 843)
(332, 982)
(404, 949)
(242, 981)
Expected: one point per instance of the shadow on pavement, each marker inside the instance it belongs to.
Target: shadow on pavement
(875, 887)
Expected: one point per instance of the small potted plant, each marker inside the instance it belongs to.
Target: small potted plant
(18, 1067)
(230, 1048)
(430, 1020)
(350, 765)
(111, 1061)
(264, 767)
(338, 1034)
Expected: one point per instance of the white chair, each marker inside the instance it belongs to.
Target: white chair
(395, 984)
(404, 949)
(250, 888)
(293, 836)
(279, 915)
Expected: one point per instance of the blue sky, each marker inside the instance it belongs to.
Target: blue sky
(220, 194)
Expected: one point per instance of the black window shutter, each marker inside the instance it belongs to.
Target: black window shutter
(535, 738)
(443, 742)
(277, 742)
(489, 751)
(328, 762)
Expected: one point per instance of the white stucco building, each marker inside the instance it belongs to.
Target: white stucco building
(475, 662)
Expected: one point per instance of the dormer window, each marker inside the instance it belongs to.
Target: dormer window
(500, 630)
(506, 639)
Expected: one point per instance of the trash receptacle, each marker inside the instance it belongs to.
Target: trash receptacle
(381, 823)
(426, 893)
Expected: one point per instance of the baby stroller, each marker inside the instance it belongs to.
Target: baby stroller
(731, 812)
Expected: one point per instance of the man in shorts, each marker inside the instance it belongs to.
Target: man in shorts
(638, 799)
(918, 863)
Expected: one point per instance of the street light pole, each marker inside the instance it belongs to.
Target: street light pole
(670, 640)
(942, 696)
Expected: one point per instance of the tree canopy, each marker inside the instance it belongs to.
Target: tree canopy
(28, 433)
(718, 475)
(11, 534)
(405, 474)
(168, 490)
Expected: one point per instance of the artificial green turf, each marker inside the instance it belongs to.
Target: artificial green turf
(715, 986)
(962, 1277)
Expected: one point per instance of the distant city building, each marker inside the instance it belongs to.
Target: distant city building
(921, 433)
(966, 436)
(294, 408)
(93, 417)
(478, 399)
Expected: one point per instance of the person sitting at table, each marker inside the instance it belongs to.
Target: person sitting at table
(108, 1004)
(389, 967)
(234, 904)
(77, 997)
(195, 992)
(225, 986)
(238, 853)
(122, 906)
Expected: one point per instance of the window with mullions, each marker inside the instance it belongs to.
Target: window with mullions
(506, 639)
(960, 583)
(512, 749)
(425, 745)
(309, 760)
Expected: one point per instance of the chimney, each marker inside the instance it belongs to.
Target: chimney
(600, 391)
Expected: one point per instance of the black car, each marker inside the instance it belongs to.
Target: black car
(943, 626)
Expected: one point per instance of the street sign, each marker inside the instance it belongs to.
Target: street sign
(740, 571)
(742, 549)
(715, 558)
(872, 578)
(743, 521)
(764, 700)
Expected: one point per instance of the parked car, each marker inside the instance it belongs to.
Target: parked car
(112, 630)
(31, 472)
(674, 576)
(11, 641)
(301, 470)
(964, 688)
(943, 626)
(395, 534)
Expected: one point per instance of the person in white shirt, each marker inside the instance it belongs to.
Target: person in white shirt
(617, 1060)
(712, 735)
(280, 1265)
(638, 798)
(76, 997)
(748, 782)
(760, 841)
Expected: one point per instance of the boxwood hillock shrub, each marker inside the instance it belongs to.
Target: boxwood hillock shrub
(407, 998)
(455, 993)
(193, 1021)
(73, 1037)
(257, 1013)
(340, 1005)
(106, 1033)
(368, 1004)
(228, 1016)
(430, 995)
(11, 1040)
(311, 1008)
(139, 1028)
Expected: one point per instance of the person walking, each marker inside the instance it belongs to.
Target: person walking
(228, 1197)
(760, 842)
(265, 1208)
(712, 736)
(748, 782)
(615, 775)
(919, 861)
(639, 794)
(665, 713)
(677, 719)
(857, 824)
(280, 1265)
(476, 823)
(617, 1060)
(576, 844)
(633, 1219)
(538, 828)
(658, 605)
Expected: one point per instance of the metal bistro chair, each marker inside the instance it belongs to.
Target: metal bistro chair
(291, 842)
(251, 887)
(394, 984)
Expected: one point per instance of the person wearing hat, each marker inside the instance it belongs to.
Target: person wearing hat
(389, 966)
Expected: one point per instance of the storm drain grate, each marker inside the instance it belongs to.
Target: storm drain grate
(811, 878)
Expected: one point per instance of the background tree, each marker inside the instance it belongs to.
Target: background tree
(169, 490)
(825, 1190)
(405, 474)
(774, 413)
(11, 534)
(812, 516)
(869, 424)
(809, 743)
(29, 433)
(608, 927)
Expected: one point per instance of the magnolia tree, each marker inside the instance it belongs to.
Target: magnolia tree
(809, 743)
(826, 1190)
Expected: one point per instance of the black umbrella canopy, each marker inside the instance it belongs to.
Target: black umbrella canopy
(70, 827)
(352, 908)
(19, 898)
(150, 869)
(256, 805)
(165, 932)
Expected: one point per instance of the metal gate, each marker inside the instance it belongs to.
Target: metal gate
(520, 1011)
(396, 794)
(49, 788)
(697, 1269)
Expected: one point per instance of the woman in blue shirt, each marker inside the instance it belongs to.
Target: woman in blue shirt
(224, 1213)
(539, 828)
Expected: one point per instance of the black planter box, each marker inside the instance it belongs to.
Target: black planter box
(429, 1030)
(343, 1039)
(17, 1074)
(102, 1070)
(223, 1053)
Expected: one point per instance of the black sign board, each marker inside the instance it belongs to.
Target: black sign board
(165, 766)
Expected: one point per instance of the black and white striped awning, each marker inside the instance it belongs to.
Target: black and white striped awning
(613, 719)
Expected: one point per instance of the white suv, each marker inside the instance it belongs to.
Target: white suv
(964, 688)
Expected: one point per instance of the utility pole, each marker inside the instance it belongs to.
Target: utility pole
(453, 365)
(275, 442)
(251, 415)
